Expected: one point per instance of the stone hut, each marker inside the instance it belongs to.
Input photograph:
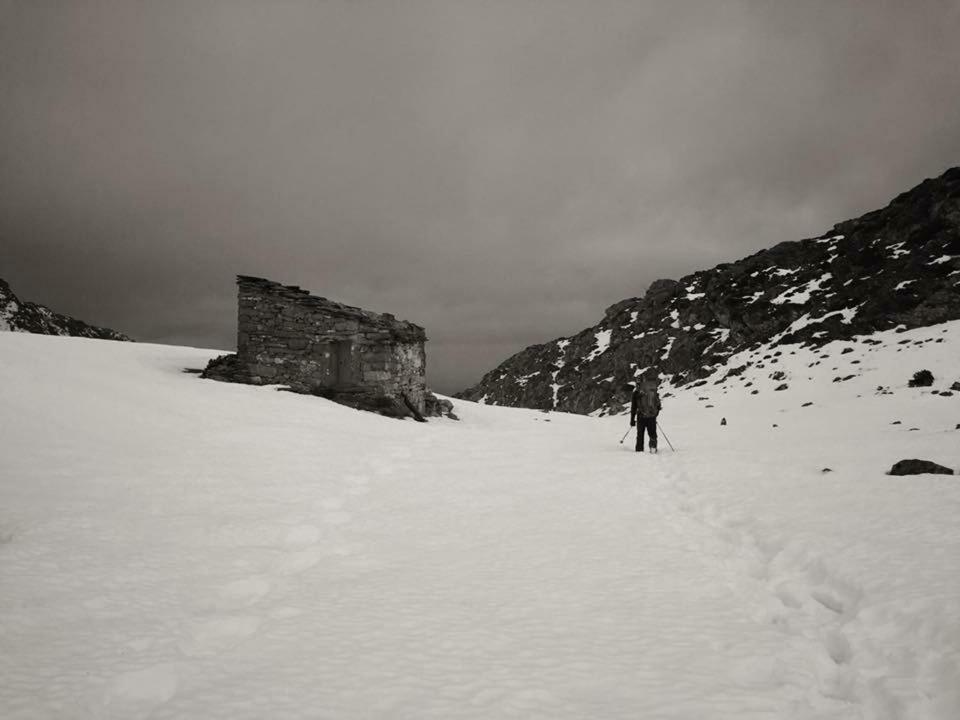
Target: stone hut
(286, 336)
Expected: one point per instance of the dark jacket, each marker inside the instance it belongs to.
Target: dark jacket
(644, 403)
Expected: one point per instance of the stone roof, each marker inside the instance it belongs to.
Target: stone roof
(401, 329)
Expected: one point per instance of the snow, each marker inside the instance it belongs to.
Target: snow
(783, 272)
(896, 250)
(559, 364)
(524, 379)
(180, 548)
(667, 348)
(903, 285)
(722, 335)
(940, 260)
(846, 315)
(802, 295)
(602, 340)
(639, 371)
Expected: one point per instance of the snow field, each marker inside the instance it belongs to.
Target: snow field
(173, 548)
(862, 567)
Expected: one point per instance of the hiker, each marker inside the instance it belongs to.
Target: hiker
(644, 408)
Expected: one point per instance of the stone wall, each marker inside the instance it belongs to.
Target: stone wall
(286, 336)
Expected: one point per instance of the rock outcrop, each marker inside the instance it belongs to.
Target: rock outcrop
(899, 266)
(919, 467)
(19, 316)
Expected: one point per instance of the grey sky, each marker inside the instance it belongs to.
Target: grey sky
(499, 172)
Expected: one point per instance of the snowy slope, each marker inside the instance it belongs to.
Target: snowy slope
(179, 548)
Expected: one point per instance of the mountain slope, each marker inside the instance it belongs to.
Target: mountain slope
(19, 316)
(899, 266)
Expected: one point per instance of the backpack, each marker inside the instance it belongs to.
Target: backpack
(648, 404)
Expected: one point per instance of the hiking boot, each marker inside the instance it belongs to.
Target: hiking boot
(653, 450)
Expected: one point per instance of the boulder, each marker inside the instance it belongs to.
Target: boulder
(918, 467)
(438, 407)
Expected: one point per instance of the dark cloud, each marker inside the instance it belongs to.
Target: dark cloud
(498, 172)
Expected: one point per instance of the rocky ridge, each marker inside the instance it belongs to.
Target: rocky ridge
(898, 267)
(19, 316)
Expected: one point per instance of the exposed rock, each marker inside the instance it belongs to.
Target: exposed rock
(19, 316)
(838, 286)
(226, 368)
(367, 399)
(918, 467)
(439, 407)
(955, 387)
(921, 378)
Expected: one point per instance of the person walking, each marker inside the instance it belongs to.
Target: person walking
(644, 408)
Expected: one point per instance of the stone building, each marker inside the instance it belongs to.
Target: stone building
(285, 336)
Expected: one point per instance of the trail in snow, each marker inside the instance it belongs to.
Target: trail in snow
(183, 548)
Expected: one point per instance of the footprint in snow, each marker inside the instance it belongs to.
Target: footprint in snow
(221, 633)
(359, 485)
(285, 612)
(137, 694)
(337, 517)
(330, 503)
(299, 561)
(303, 535)
(243, 593)
(383, 468)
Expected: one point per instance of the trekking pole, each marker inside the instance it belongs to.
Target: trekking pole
(625, 435)
(660, 428)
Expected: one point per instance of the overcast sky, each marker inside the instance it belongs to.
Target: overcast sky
(499, 172)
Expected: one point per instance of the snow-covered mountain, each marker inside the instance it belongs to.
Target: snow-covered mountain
(898, 267)
(173, 547)
(19, 316)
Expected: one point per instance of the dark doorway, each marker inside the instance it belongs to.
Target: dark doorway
(344, 365)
